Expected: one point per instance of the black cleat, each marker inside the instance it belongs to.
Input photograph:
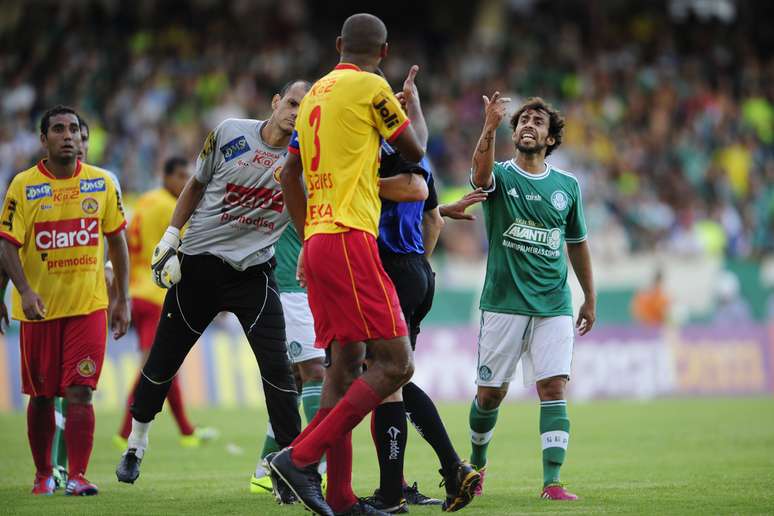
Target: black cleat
(129, 468)
(414, 497)
(376, 501)
(363, 507)
(304, 482)
(460, 486)
(283, 494)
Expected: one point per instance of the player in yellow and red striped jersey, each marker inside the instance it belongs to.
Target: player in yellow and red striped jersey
(54, 217)
(152, 214)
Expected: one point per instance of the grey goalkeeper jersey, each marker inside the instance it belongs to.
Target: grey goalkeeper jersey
(242, 213)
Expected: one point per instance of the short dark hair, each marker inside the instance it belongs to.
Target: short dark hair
(172, 163)
(83, 125)
(555, 120)
(289, 84)
(56, 110)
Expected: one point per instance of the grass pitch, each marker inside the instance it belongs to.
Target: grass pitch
(708, 456)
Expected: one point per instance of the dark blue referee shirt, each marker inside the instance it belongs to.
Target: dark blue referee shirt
(400, 224)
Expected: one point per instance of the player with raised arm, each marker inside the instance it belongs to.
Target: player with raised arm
(152, 214)
(403, 224)
(340, 124)
(54, 217)
(225, 263)
(533, 209)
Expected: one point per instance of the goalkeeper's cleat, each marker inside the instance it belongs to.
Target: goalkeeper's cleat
(79, 486)
(128, 469)
(120, 442)
(281, 491)
(44, 485)
(557, 492)
(304, 482)
(378, 502)
(60, 476)
(201, 435)
(260, 485)
(414, 497)
(460, 485)
(479, 491)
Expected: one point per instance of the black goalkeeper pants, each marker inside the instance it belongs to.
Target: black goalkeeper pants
(209, 286)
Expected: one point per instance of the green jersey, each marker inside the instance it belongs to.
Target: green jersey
(286, 251)
(528, 218)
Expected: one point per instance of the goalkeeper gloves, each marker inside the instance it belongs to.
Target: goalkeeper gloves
(165, 266)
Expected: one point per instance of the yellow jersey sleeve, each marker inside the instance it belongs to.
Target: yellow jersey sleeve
(14, 226)
(113, 219)
(386, 112)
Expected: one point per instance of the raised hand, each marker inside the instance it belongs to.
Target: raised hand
(494, 109)
(456, 210)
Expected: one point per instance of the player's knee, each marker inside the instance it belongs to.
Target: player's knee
(552, 388)
(490, 398)
(41, 401)
(312, 370)
(399, 371)
(78, 394)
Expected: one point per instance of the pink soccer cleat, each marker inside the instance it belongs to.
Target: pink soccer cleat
(44, 485)
(79, 486)
(479, 490)
(557, 492)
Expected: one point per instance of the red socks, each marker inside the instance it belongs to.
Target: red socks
(175, 399)
(340, 495)
(359, 400)
(79, 437)
(318, 417)
(40, 431)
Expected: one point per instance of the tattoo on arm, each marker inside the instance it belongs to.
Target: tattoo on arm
(486, 143)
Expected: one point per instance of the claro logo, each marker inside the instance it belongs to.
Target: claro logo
(63, 234)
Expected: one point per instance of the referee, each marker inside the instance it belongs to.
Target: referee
(226, 263)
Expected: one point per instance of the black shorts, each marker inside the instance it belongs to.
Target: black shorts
(414, 281)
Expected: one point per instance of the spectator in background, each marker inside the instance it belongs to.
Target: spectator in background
(650, 305)
(731, 308)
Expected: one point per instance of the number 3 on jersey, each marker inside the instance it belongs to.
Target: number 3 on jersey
(314, 121)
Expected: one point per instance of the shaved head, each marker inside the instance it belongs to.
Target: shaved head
(363, 34)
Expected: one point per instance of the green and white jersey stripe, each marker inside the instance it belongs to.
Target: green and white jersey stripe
(528, 219)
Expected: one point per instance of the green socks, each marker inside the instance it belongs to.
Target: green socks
(482, 423)
(59, 450)
(269, 444)
(554, 435)
(310, 398)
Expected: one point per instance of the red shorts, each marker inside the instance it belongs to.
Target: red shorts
(351, 297)
(145, 318)
(63, 352)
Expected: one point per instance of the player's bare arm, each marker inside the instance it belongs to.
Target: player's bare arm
(484, 155)
(405, 187)
(32, 304)
(119, 257)
(580, 258)
(412, 142)
(456, 210)
(4, 322)
(294, 194)
(432, 223)
(187, 202)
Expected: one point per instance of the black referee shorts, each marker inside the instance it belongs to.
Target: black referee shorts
(414, 281)
(209, 286)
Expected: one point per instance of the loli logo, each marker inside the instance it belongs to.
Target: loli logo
(64, 234)
(37, 191)
(92, 185)
(252, 197)
(389, 118)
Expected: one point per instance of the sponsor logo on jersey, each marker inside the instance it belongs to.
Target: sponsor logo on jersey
(86, 261)
(277, 174)
(67, 195)
(90, 205)
(513, 193)
(235, 148)
(264, 158)
(295, 349)
(550, 238)
(87, 367)
(533, 197)
(65, 234)
(11, 211)
(37, 191)
(389, 118)
(209, 145)
(93, 185)
(252, 197)
(559, 200)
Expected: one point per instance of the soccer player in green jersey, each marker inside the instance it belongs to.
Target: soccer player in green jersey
(532, 210)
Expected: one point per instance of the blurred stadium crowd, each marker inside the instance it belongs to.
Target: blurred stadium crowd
(670, 108)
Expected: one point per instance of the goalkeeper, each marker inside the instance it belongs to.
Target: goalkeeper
(225, 263)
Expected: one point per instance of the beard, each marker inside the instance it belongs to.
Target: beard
(534, 149)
